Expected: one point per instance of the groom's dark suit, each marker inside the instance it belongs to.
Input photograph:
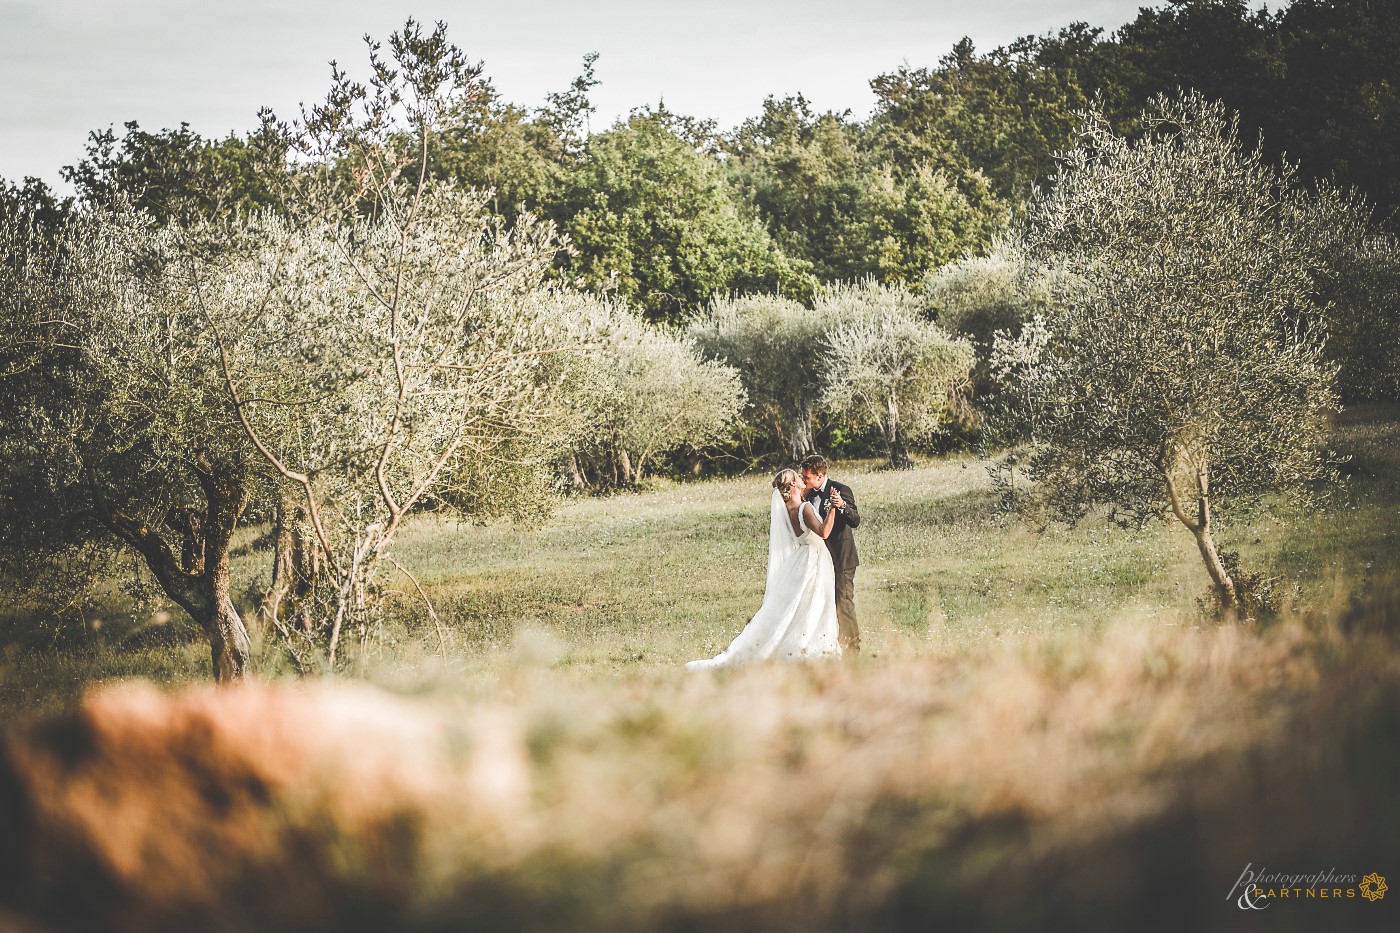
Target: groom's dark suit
(842, 545)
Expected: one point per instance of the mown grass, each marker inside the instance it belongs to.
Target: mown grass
(654, 579)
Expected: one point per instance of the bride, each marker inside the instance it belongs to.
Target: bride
(798, 616)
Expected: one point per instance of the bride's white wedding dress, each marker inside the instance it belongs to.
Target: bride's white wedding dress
(797, 619)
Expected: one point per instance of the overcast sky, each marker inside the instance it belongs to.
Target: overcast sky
(70, 66)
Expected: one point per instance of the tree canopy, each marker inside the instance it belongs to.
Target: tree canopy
(652, 221)
(1180, 364)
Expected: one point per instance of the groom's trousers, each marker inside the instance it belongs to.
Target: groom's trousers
(849, 631)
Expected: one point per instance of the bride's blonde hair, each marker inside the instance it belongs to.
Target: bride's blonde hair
(784, 481)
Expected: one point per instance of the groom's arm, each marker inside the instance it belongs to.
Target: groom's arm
(850, 511)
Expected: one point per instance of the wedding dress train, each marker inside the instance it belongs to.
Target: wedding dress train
(797, 619)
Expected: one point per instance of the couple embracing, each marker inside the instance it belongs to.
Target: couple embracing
(808, 608)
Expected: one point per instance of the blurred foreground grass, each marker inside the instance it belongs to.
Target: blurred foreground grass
(1116, 780)
(1046, 732)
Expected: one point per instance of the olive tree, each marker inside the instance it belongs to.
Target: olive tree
(978, 297)
(669, 396)
(640, 392)
(115, 432)
(1357, 268)
(376, 365)
(1181, 365)
(887, 367)
(775, 343)
(373, 345)
(384, 349)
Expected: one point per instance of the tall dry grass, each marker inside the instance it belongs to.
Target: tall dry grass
(1114, 781)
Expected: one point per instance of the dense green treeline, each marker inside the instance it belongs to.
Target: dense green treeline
(669, 212)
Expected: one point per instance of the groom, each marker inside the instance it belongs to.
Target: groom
(827, 494)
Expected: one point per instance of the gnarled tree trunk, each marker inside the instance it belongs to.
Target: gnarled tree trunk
(297, 564)
(1199, 526)
(899, 447)
(802, 441)
(626, 478)
(199, 580)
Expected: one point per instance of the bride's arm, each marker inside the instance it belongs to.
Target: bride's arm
(816, 524)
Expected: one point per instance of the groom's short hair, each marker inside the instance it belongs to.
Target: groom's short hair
(816, 463)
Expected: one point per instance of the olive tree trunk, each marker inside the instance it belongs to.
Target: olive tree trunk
(577, 483)
(1199, 526)
(199, 577)
(625, 477)
(297, 565)
(899, 446)
(1224, 585)
(803, 442)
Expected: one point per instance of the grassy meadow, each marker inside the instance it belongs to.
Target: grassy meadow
(1045, 730)
(643, 582)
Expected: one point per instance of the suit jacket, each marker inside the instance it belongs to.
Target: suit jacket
(840, 542)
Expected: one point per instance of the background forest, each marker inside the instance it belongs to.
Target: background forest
(669, 212)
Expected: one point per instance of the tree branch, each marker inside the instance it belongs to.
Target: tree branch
(432, 613)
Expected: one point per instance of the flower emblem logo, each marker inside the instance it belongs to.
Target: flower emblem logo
(1373, 887)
